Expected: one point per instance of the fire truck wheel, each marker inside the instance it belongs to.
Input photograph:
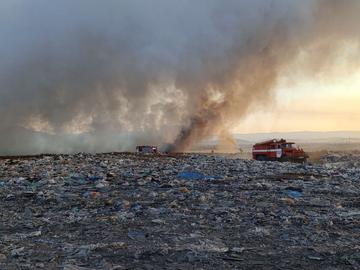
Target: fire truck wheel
(261, 158)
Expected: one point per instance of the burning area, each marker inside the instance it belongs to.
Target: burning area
(83, 77)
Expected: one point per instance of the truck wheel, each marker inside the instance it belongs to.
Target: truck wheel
(261, 158)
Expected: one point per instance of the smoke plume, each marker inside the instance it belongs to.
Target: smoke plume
(89, 75)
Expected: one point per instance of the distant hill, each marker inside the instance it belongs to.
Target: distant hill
(310, 140)
(302, 137)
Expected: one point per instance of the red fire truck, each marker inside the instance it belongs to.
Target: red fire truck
(147, 149)
(278, 150)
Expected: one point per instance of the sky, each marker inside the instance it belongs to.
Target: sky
(330, 103)
(109, 75)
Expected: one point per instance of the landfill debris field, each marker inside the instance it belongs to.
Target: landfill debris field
(191, 211)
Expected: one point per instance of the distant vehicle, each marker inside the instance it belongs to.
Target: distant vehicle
(278, 150)
(146, 149)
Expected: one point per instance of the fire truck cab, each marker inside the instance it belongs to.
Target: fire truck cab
(278, 150)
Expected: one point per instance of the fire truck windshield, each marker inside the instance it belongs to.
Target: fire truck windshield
(287, 145)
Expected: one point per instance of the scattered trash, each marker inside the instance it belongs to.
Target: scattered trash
(17, 252)
(184, 190)
(95, 178)
(121, 211)
(294, 192)
(3, 257)
(288, 201)
(191, 176)
(238, 250)
(135, 235)
(315, 258)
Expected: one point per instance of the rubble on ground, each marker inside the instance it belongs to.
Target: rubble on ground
(337, 157)
(125, 211)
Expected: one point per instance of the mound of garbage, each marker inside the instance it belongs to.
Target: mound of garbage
(191, 211)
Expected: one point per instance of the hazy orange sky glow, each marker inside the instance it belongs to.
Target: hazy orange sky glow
(331, 104)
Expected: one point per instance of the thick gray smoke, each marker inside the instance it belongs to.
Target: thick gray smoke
(88, 75)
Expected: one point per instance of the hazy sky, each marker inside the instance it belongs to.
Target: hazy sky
(171, 72)
(326, 103)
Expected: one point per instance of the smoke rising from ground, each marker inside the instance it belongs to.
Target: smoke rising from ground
(93, 76)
